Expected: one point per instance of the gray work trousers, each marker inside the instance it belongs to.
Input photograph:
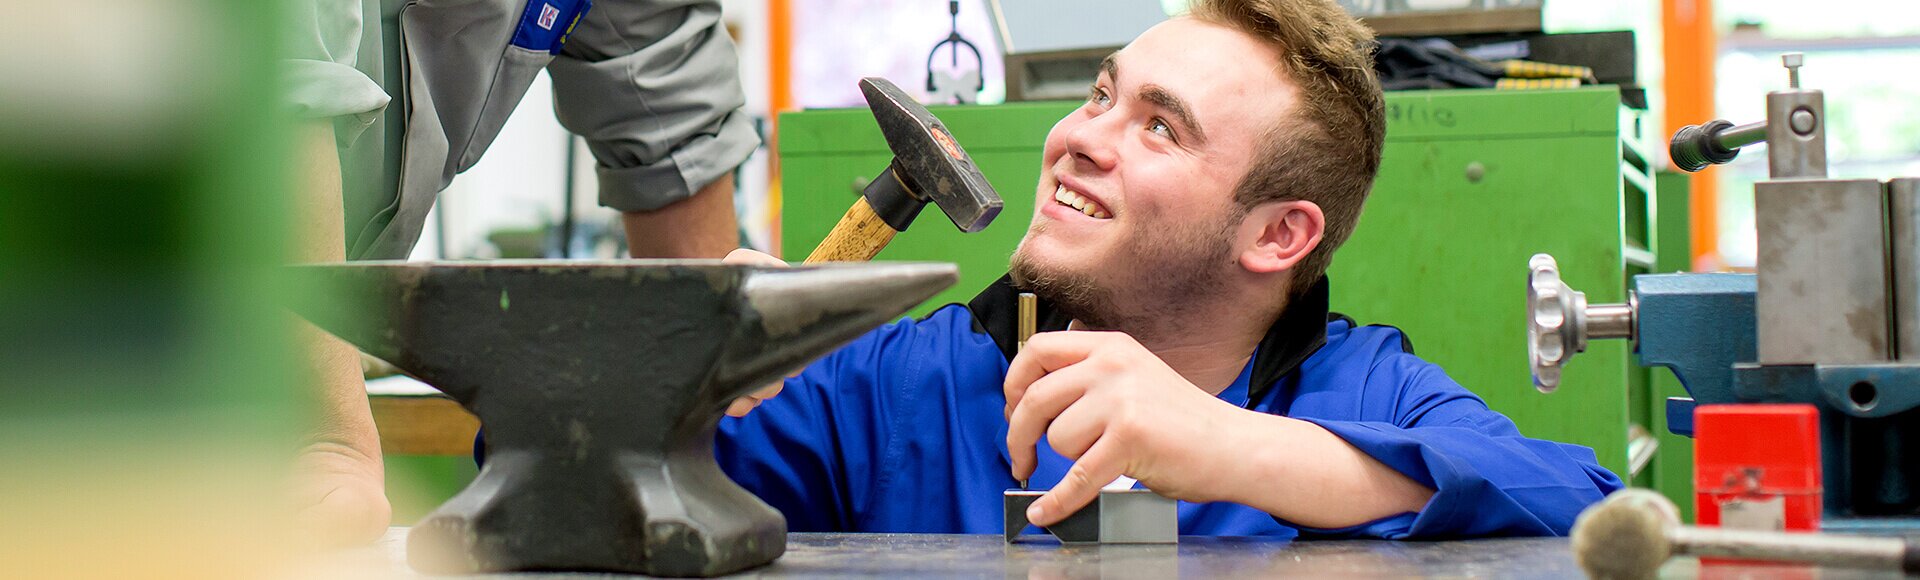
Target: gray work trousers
(417, 90)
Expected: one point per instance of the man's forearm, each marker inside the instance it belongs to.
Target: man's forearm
(1308, 476)
(702, 226)
(345, 423)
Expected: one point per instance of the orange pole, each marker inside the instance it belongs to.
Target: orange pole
(780, 54)
(780, 87)
(1690, 51)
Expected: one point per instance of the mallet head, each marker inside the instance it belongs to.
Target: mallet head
(1625, 535)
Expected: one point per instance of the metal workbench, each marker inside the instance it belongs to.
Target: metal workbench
(988, 556)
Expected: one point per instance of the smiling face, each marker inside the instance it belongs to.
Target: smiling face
(1135, 204)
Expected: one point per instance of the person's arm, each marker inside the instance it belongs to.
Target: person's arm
(1328, 482)
(1116, 409)
(339, 482)
(340, 479)
(1444, 467)
(1488, 479)
(654, 88)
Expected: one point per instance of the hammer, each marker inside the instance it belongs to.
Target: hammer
(1632, 532)
(928, 166)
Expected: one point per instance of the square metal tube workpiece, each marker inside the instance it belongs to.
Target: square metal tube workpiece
(1118, 516)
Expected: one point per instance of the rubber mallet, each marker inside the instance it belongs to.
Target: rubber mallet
(1631, 533)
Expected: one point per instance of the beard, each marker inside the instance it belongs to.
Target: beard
(1149, 288)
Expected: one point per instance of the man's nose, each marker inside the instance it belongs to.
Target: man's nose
(1094, 141)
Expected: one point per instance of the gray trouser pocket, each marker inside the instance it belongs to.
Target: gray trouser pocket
(518, 67)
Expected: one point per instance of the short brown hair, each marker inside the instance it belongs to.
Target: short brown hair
(1330, 151)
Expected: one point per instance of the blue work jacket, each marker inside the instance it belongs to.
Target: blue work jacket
(902, 431)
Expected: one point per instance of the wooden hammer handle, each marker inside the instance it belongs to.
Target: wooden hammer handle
(857, 238)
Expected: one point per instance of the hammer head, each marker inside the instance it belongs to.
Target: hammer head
(928, 160)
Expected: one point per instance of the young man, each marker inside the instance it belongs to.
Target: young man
(1187, 214)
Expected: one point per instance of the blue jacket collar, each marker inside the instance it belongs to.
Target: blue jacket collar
(1297, 334)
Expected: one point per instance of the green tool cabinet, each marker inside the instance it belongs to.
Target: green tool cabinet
(1473, 183)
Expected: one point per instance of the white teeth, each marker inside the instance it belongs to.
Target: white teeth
(1079, 202)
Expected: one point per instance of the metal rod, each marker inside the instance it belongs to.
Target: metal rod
(1812, 548)
(1610, 321)
(1792, 61)
(1029, 313)
(1029, 310)
(1743, 135)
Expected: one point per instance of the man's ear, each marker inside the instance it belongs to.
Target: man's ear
(1276, 236)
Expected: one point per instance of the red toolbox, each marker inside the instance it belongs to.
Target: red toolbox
(1757, 466)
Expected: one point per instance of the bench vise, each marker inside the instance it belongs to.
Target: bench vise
(1831, 319)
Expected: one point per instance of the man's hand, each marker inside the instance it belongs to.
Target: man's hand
(1105, 401)
(340, 496)
(743, 405)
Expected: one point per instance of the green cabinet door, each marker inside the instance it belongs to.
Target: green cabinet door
(1474, 183)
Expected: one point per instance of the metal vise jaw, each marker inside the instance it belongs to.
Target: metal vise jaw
(600, 384)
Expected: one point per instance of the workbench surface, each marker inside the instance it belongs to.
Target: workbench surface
(987, 556)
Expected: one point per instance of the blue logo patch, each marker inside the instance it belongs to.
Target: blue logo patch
(545, 23)
(547, 14)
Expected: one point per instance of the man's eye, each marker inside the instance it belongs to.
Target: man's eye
(1099, 97)
(1159, 127)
